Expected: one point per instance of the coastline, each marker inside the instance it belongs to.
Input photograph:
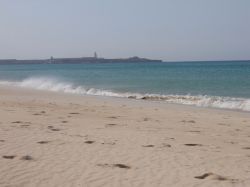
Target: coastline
(105, 141)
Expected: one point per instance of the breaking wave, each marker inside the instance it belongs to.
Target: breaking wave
(54, 85)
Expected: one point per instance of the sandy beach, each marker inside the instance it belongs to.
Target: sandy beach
(51, 139)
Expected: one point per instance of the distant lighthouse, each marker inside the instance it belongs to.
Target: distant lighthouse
(51, 60)
(95, 55)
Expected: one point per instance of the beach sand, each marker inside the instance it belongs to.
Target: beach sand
(51, 139)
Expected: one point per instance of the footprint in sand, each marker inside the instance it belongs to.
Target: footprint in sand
(89, 142)
(27, 157)
(146, 119)
(108, 143)
(169, 138)
(37, 114)
(113, 117)
(74, 113)
(9, 156)
(111, 124)
(53, 129)
(214, 177)
(193, 144)
(43, 142)
(114, 124)
(16, 122)
(166, 145)
(24, 124)
(246, 148)
(147, 145)
(21, 122)
(122, 166)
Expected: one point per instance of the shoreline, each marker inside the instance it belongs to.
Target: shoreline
(121, 99)
(57, 139)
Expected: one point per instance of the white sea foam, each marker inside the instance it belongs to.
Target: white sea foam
(51, 84)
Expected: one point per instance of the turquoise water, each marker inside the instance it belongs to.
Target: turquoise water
(216, 84)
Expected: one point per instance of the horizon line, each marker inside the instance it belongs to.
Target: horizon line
(212, 60)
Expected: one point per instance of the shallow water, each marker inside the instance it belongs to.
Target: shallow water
(215, 84)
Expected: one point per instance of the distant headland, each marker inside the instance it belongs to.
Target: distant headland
(80, 60)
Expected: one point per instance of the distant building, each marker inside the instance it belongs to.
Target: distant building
(95, 55)
(51, 59)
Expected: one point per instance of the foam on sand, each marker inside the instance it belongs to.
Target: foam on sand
(52, 84)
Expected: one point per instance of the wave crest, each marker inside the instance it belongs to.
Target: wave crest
(51, 84)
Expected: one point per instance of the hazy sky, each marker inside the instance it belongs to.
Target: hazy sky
(161, 29)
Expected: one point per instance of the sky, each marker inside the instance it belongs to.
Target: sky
(171, 30)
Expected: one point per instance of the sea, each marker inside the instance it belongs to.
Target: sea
(218, 84)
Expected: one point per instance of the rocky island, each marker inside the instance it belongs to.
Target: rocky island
(80, 60)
